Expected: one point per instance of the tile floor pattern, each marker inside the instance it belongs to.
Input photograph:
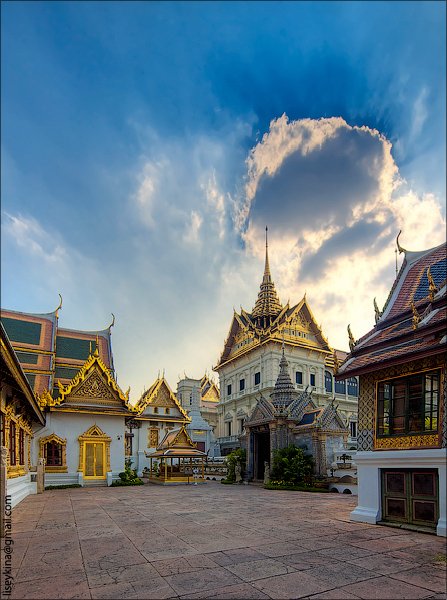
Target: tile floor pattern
(214, 541)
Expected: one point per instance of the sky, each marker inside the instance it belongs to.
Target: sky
(145, 146)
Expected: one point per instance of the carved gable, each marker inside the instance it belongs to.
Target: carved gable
(94, 389)
(161, 396)
(262, 412)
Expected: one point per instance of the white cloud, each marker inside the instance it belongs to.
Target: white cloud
(334, 202)
(30, 236)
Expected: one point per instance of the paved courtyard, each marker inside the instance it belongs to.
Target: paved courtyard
(214, 541)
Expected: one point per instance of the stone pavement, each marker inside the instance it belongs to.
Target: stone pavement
(214, 541)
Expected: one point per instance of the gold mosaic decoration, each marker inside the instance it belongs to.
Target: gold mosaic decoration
(94, 387)
(407, 442)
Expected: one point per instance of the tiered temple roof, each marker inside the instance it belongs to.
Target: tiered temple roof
(412, 324)
(49, 353)
(270, 320)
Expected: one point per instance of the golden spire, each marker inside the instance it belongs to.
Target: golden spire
(432, 289)
(268, 304)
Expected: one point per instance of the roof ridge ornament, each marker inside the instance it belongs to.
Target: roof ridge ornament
(378, 313)
(113, 322)
(59, 306)
(399, 247)
(432, 289)
(352, 341)
(416, 316)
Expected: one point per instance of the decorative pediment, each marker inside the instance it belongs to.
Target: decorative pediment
(331, 418)
(300, 405)
(94, 433)
(177, 438)
(93, 385)
(160, 395)
(263, 411)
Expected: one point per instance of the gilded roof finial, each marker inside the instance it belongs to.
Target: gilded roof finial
(267, 266)
(378, 313)
(113, 322)
(96, 352)
(399, 247)
(59, 306)
(336, 362)
(351, 339)
(416, 316)
(432, 289)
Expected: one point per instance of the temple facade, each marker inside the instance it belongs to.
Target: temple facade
(401, 364)
(71, 377)
(156, 413)
(250, 362)
(291, 417)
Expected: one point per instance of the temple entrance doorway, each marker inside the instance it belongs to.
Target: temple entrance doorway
(261, 453)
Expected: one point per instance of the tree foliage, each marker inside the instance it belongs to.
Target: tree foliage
(292, 465)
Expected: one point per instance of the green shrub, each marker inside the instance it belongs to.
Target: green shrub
(282, 485)
(128, 476)
(226, 481)
(292, 465)
(238, 455)
(120, 482)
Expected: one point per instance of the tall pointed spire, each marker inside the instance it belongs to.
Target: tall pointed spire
(267, 305)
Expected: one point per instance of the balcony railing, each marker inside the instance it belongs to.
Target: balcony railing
(228, 439)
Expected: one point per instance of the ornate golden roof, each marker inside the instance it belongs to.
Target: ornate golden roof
(100, 380)
(268, 304)
(160, 394)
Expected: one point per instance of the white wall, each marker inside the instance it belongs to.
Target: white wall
(369, 464)
(70, 426)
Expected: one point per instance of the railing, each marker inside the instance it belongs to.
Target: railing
(228, 439)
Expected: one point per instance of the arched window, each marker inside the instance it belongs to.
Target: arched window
(328, 381)
(340, 387)
(353, 387)
(53, 454)
(54, 450)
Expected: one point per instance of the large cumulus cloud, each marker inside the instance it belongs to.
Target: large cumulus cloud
(334, 201)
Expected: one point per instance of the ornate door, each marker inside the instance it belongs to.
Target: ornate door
(94, 460)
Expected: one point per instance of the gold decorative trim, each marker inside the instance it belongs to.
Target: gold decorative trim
(151, 395)
(93, 434)
(407, 442)
(57, 440)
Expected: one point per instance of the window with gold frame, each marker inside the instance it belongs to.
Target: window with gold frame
(54, 450)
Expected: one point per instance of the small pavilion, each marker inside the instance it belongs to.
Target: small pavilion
(175, 458)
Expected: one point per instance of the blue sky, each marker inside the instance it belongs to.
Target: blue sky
(145, 146)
